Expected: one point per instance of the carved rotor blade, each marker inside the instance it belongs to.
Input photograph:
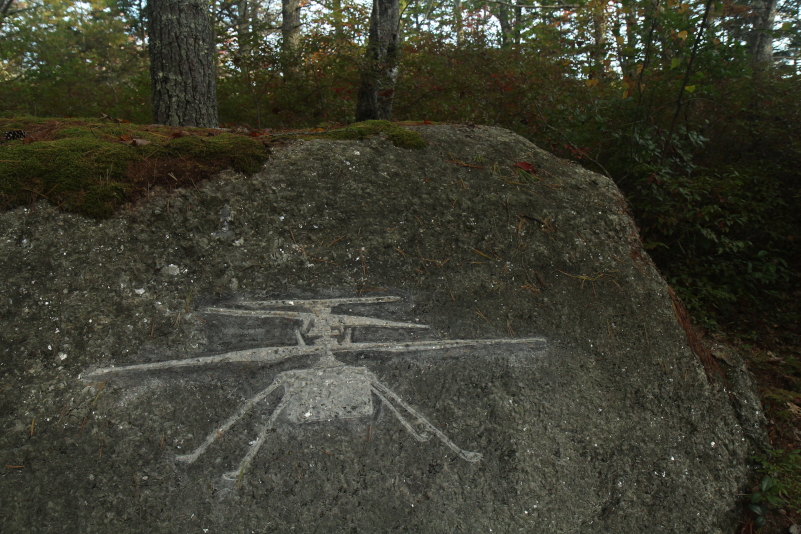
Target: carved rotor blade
(261, 355)
(325, 303)
(536, 343)
(336, 319)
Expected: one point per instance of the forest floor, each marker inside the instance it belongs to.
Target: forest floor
(769, 339)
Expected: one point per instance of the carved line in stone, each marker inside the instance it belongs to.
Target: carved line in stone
(329, 389)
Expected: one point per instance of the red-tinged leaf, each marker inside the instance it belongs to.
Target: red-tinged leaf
(526, 166)
(140, 142)
(125, 138)
(426, 122)
(255, 133)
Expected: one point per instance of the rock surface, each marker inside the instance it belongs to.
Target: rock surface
(299, 334)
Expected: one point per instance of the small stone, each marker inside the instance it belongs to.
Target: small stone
(170, 270)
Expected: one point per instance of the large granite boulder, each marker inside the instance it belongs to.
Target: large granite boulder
(361, 338)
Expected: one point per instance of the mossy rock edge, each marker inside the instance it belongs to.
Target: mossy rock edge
(398, 135)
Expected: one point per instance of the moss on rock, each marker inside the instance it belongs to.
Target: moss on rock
(91, 168)
(398, 135)
(242, 154)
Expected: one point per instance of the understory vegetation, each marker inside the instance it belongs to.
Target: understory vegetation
(702, 139)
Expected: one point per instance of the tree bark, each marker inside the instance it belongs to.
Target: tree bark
(458, 23)
(290, 25)
(243, 36)
(338, 22)
(599, 22)
(380, 68)
(506, 25)
(182, 69)
(760, 40)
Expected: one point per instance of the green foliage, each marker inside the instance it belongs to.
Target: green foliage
(72, 58)
(770, 493)
(266, 89)
(714, 232)
(780, 485)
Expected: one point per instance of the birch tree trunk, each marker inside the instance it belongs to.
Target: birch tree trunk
(599, 27)
(380, 68)
(760, 41)
(290, 25)
(457, 22)
(243, 36)
(182, 69)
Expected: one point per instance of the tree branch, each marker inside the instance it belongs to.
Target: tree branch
(531, 6)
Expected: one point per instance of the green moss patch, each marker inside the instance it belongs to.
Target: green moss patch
(93, 167)
(398, 135)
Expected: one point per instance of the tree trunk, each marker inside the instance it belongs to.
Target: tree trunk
(760, 40)
(290, 25)
(506, 25)
(457, 22)
(4, 8)
(599, 22)
(243, 36)
(380, 68)
(338, 22)
(182, 63)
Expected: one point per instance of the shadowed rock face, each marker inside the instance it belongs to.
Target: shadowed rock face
(360, 338)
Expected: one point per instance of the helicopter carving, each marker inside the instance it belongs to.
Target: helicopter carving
(329, 389)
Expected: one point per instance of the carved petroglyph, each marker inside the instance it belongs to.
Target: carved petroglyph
(330, 389)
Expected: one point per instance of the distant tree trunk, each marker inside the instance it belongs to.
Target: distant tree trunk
(336, 9)
(290, 25)
(760, 40)
(457, 22)
(599, 23)
(243, 36)
(380, 68)
(182, 69)
(506, 25)
(627, 62)
(4, 9)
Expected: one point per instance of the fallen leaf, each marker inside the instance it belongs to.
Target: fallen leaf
(526, 166)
